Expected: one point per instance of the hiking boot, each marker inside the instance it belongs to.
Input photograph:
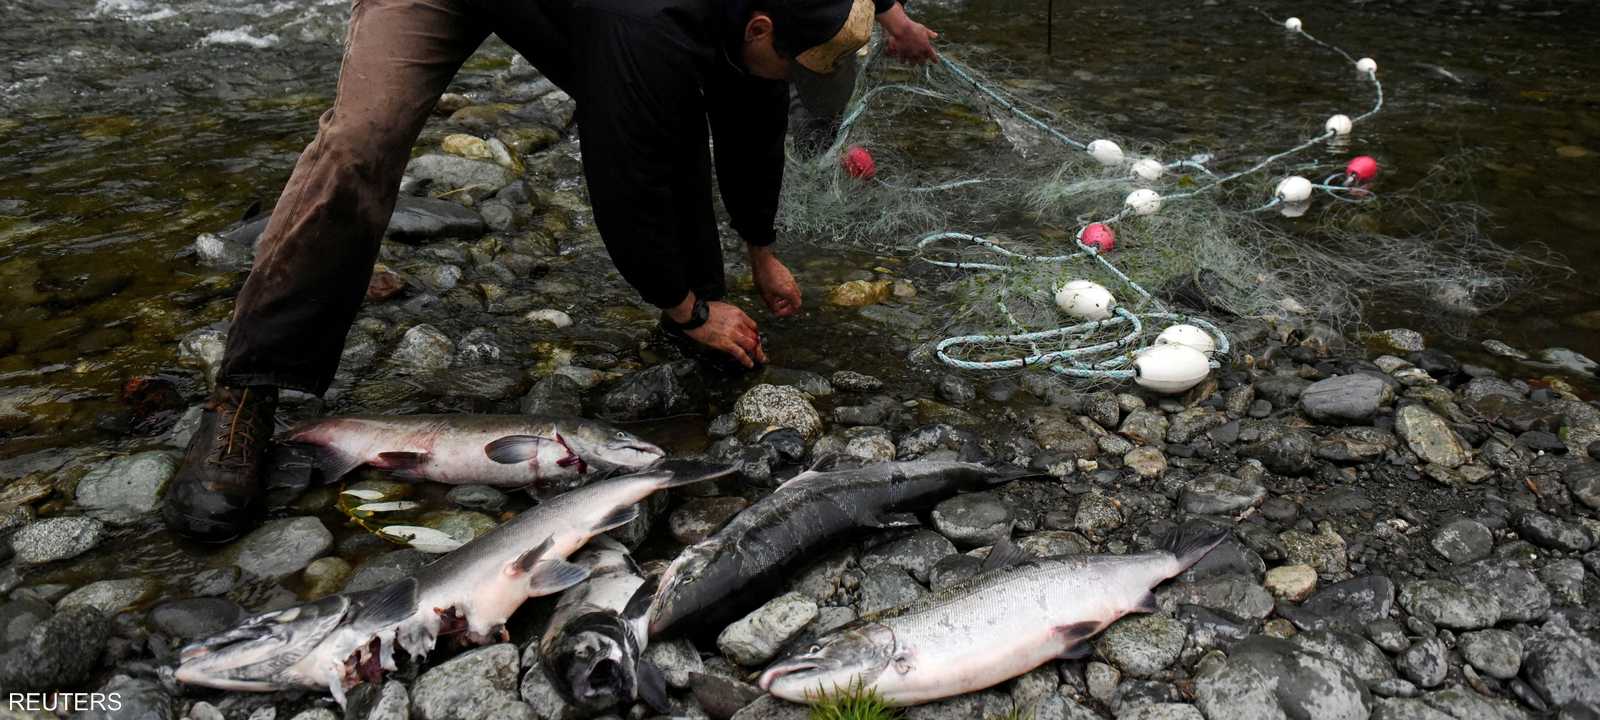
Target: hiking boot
(216, 493)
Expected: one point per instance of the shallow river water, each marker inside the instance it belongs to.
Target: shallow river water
(127, 127)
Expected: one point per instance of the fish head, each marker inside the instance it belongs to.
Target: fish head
(607, 449)
(261, 652)
(595, 663)
(855, 656)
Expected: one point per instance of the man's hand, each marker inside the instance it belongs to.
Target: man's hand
(776, 283)
(727, 329)
(909, 40)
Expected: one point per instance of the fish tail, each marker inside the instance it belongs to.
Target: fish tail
(1191, 541)
(1001, 474)
(686, 474)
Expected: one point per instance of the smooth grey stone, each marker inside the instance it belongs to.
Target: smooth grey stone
(1346, 399)
(1463, 541)
(1496, 653)
(479, 683)
(1269, 678)
(1425, 663)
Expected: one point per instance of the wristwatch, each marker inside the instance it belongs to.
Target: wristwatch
(697, 317)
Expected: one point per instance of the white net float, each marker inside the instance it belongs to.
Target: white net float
(1293, 24)
(1085, 300)
(1107, 152)
(1143, 201)
(1170, 369)
(1339, 124)
(1367, 65)
(1294, 189)
(1149, 170)
(1187, 335)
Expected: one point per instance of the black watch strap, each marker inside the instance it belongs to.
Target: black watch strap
(697, 317)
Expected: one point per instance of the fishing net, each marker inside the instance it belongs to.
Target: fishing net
(996, 184)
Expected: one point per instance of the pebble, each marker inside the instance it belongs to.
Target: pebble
(1388, 634)
(1563, 664)
(1346, 399)
(1550, 533)
(778, 406)
(1143, 645)
(973, 520)
(1220, 494)
(476, 684)
(1564, 578)
(916, 554)
(109, 596)
(539, 692)
(1430, 437)
(1496, 653)
(1401, 339)
(123, 490)
(477, 497)
(1265, 678)
(756, 638)
(1324, 551)
(1291, 582)
(193, 618)
(1362, 658)
(137, 699)
(53, 539)
(43, 650)
(1145, 426)
(1463, 541)
(869, 444)
(886, 588)
(1355, 602)
(1448, 604)
(1097, 514)
(1102, 680)
(280, 548)
(326, 575)
(1146, 462)
(658, 391)
(1425, 663)
(851, 381)
(423, 348)
(478, 179)
(676, 659)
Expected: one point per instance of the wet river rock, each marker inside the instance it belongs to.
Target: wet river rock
(1268, 678)
(55, 539)
(121, 491)
(479, 683)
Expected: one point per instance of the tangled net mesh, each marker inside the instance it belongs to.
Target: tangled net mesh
(990, 155)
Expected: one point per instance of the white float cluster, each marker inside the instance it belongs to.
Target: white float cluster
(1085, 300)
(1294, 189)
(1107, 152)
(1149, 170)
(1143, 201)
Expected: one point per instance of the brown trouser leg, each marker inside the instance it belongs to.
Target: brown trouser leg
(314, 260)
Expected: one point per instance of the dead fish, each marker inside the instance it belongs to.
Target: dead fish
(591, 648)
(997, 626)
(341, 640)
(549, 454)
(727, 574)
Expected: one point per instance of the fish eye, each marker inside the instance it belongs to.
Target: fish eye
(622, 435)
(815, 648)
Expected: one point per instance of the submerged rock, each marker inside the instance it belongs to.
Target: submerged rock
(281, 547)
(659, 391)
(1430, 437)
(973, 519)
(121, 491)
(53, 539)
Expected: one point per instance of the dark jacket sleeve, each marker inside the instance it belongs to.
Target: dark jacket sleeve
(882, 6)
(639, 106)
(749, 117)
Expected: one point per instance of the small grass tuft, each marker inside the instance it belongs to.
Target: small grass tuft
(853, 703)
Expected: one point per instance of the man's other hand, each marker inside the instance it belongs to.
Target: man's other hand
(775, 282)
(909, 40)
(730, 330)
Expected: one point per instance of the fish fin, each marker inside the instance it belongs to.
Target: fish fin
(639, 605)
(391, 603)
(513, 449)
(617, 518)
(1077, 637)
(680, 474)
(400, 459)
(1191, 541)
(889, 521)
(825, 460)
(1004, 554)
(1147, 604)
(251, 212)
(335, 463)
(553, 575)
(1076, 652)
(1003, 474)
(653, 687)
(526, 561)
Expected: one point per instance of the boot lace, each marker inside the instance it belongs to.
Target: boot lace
(237, 429)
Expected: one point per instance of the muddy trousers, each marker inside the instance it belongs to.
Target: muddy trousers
(315, 258)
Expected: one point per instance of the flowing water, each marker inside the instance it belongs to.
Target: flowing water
(127, 127)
